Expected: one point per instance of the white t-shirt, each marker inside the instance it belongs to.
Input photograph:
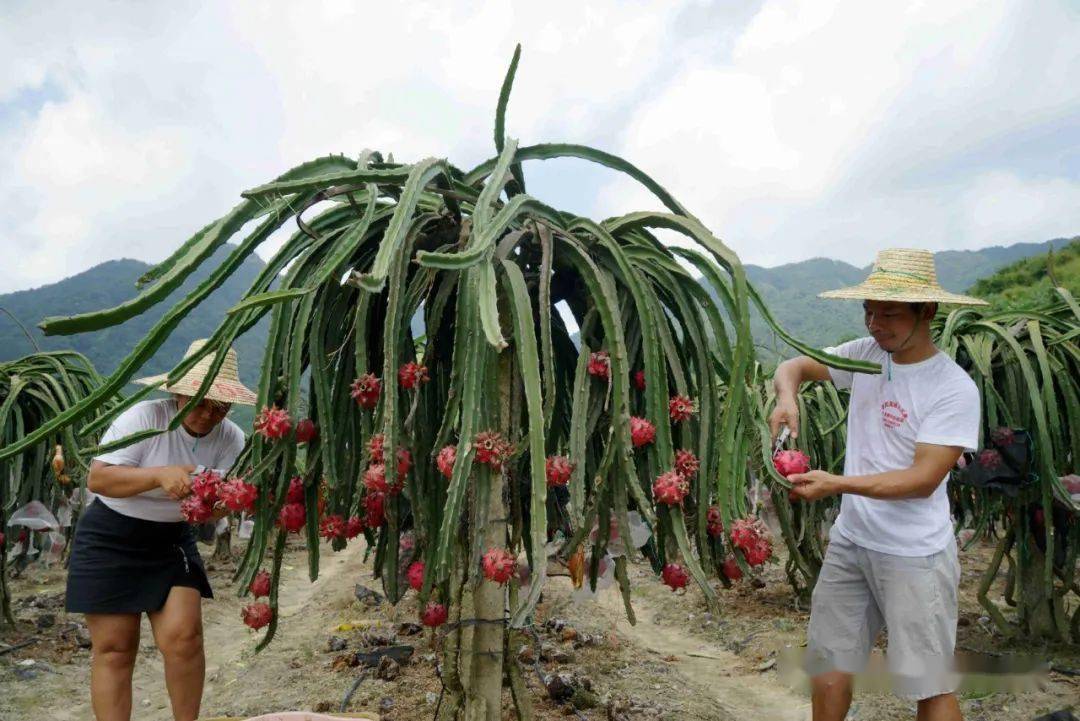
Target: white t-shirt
(217, 449)
(933, 401)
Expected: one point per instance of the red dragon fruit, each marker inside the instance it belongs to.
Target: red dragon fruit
(332, 526)
(206, 485)
(681, 408)
(446, 459)
(1002, 436)
(375, 447)
(353, 527)
(374, 511)
(731, 569)
(434, 614)
(790, 462)
(295, 494)
(292, 517)
(499, 565)
(273, 423)
(989, 459)
(260, 585)
(642, 432)
(491, 449)
(558, 469)
(714, 522)
(365, 390)
(412, 375)
(686, 463)
(306, 431)
(404, 463)
(670, 488)
(675, 576)
(195, 510)
(256, 615)
(237, 495)
(750, 535)
(639, 380)
(599, 365)
(415, 575)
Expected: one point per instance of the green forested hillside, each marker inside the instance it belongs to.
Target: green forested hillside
(1028, 283)
(113, 282)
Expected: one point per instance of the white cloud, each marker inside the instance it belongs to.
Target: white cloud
(793, 128)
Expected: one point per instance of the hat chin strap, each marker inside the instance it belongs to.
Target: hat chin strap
(889, 353)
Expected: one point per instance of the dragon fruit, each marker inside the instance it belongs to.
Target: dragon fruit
(374, 511)
(714, 522)
(256, 615)
(446, 459)
(1002, 436)
(375, 447)
(434, 614)
(788, 463)
(273, 423)
(332, 526)
(499, 565)
(681, 408)
(404, 463)
(306, 431)
(412, 374)
(295, 494)
(989, 459)
(731, 569)
(642, 432)
(353, 527)
(260, 585)
(238, 496)
(752, 537)
(600, 365)
(365, 390)
(675, 576)
(415, 575)
(639, 380)
(292, 517)
(195, 510)
(206, 485)
(686, 463)
(558, 469)
(491, 449)
(670, 488)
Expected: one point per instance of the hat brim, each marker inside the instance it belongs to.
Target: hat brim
(868, 291)
(221, 391)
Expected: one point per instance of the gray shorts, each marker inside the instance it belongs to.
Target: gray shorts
(915, 597)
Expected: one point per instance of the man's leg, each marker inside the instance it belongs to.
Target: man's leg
(939, 708)
(844, 621)
(178, 632)
(831, 695)
(114, 642)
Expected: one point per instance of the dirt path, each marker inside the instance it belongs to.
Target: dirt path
(709, 669)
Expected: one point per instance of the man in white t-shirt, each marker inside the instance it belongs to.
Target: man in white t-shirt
(892, 559)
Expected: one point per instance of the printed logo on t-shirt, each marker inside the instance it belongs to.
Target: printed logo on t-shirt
(893, 415)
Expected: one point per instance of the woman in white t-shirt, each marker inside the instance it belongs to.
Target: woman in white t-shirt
(133, 553)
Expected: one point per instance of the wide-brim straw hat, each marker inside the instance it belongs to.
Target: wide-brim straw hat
(904, 275)
(226, 386)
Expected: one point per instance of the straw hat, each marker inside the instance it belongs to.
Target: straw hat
(903, 275)
(226, 387)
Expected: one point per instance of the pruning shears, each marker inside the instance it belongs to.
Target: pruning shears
(781, 438)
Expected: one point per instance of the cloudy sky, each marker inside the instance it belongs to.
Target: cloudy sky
(793, 128)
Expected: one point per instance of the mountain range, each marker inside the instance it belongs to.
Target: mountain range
(789, 290)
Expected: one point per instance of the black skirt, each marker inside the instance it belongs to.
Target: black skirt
(121, 564)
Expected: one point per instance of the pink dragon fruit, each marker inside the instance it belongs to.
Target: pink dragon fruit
(499, 565)
(365, 390)
(292, 517)
(686, 463)
(332, 526)
(681, 408)
(238, 496)
(670, 488)
(446, 459)
(675, 576)
(558, 469)
(434, 614)
(642, 432)
(206, 485)
(599, 365)
(306, 431)
(256, 615)
(788, 463)
(195, 510)
(491, 449)
(412, 375)
(260, 585)
(273, 423)
(415, 575)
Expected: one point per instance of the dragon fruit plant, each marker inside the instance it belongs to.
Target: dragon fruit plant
(384, 247)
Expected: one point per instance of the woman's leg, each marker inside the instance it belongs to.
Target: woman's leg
(114, 639)
(178, 633)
